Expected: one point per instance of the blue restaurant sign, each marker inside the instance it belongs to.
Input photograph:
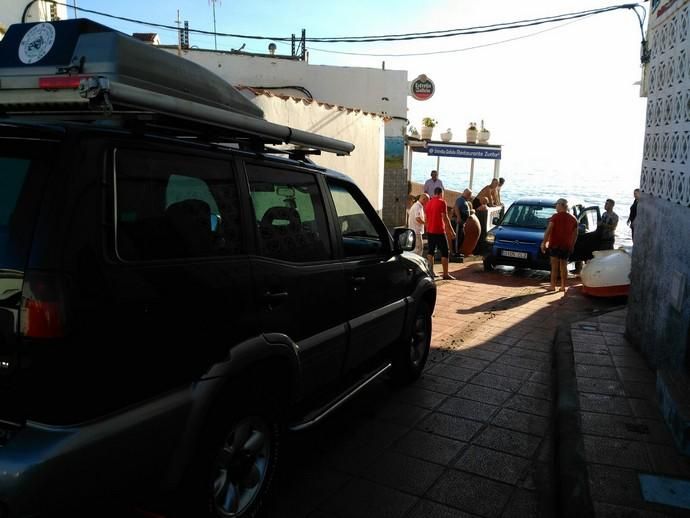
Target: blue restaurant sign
(460, 151)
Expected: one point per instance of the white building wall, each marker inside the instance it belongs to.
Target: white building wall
(366, 132)
(11, 12)
(370, 89)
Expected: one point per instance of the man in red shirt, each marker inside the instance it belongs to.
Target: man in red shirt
(559, 239)
(437, 225)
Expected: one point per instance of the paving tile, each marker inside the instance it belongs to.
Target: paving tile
(619, 350)
(441, 385)
(603, 510)
(514, 360)
(417, 396)
(614, 485)
(625, 427)
(605, 404)
(430, 447)
(645, 408)
(593, 359)
(467, 362)
(377, 433)
(452, 372)
(492, 464)
(496, 381)
(484, 394)
(450, 426)
(543, 377)
(521, 422)
(496, 347)
(632, 360)
(509, 371)
(466, 408)
(583, 337)
(615, 339)
(509, 441)
(429, 509)
(523, 503)
(612, 328)
(480, 354)
(600, 386)
(506, 339)
(540, 346)
(403, 473)
(530, 405)
(640, 390)
(301, 490)
(592, 371)
(381, 502)
(589, 348)
(615, 452)
(401, 413)
(471, 493)
(631, 374)
(666, 459)
(536, 390)
(351, 456)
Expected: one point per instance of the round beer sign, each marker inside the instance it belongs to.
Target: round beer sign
(422, 88)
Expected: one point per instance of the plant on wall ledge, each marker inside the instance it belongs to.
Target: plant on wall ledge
(428, 122)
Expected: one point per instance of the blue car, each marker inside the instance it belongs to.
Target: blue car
(516, 238)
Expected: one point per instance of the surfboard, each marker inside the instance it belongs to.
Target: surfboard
(472, 231)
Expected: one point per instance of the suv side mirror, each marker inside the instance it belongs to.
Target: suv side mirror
(404, 239)
(496, 220)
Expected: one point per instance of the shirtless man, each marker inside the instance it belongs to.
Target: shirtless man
(490, 192)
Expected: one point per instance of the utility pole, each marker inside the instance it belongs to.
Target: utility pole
(179, 35)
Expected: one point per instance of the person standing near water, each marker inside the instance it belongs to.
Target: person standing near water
(416, 220)
(633, 212)
(607, 226)
(437, 225)
(432, 183)
(559, 240)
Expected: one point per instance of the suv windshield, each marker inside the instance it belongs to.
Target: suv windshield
(528, 215)
(22, 171)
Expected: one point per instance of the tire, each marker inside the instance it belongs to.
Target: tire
(235, 466)
(413, 351)
(488, 265)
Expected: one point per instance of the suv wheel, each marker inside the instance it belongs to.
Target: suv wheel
(411, 356)
(234, 471)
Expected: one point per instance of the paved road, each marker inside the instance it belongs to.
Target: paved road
(474, 436)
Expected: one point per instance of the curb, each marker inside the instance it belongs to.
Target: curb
(573, 496)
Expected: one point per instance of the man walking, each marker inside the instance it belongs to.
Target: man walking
(437, 225)
(607, 226)
(416, 220)
(432, 184)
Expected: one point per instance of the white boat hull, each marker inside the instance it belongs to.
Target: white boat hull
(608, 273)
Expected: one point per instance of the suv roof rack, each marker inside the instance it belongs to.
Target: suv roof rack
(79, 70)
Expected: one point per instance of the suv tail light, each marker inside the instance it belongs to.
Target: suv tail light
(42, 309)
(59, 82)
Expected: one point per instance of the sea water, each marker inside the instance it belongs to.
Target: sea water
(591, 186)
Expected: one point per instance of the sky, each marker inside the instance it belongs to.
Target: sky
(561, 99)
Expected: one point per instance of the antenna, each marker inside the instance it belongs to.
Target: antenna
(215, 36)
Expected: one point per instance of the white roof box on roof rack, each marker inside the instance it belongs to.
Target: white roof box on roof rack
(81, 70)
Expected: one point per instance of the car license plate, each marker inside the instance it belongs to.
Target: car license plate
(517, 255)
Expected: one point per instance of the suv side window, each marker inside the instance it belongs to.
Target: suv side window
(359, 232)
(174, 207)
(290, 217)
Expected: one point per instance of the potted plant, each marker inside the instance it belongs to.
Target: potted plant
(428, 125)
(483, 135)
(471, 133)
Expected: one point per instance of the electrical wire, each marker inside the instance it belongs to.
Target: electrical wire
(390, 37)
(431, 53)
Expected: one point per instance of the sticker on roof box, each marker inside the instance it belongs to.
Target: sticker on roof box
(36, 43)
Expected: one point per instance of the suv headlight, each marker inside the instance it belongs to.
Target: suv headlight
(490, 238)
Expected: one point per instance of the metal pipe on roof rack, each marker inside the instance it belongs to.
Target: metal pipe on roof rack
(175, 106)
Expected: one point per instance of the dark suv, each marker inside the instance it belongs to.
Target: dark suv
(168, 305)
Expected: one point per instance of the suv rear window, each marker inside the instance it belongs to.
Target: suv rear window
(22, 173)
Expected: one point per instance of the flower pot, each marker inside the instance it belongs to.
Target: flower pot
(447, 136)
(471, 135)
(483, 136)
(427, 132)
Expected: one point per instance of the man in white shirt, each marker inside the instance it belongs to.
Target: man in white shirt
(416, 220)
(432, 183)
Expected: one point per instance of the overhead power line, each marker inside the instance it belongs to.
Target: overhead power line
(392, 37)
